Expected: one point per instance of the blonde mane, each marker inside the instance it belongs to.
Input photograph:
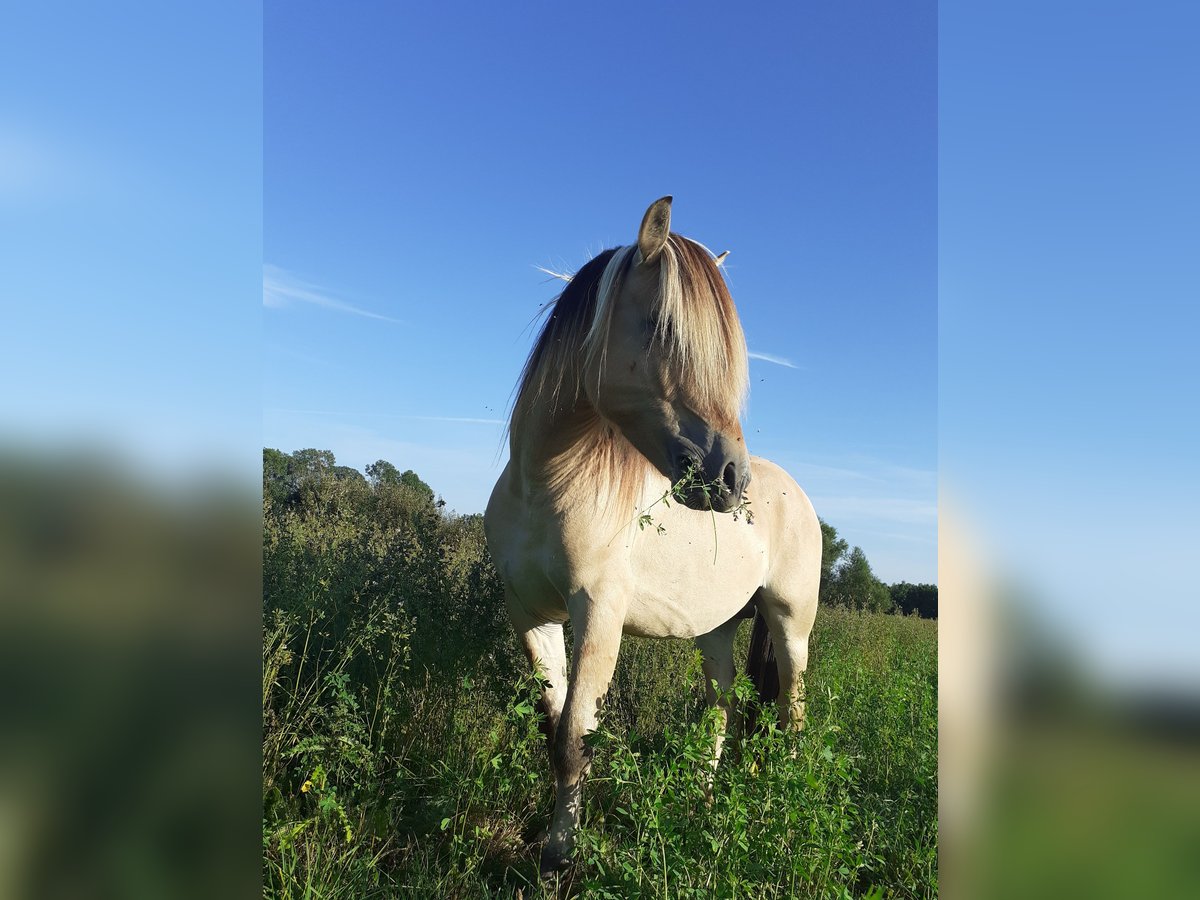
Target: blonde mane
(695, 322)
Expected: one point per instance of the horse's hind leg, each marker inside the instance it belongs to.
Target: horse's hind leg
(547, 652)
(716, 648)
(790, 611)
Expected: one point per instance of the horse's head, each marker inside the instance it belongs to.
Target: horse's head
(666, 362)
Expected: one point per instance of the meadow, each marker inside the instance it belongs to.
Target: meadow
(402, 756)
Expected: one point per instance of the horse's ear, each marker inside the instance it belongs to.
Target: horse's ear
(656, 228)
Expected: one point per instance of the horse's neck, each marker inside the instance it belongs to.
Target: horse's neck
(550, 448)
(574, 459)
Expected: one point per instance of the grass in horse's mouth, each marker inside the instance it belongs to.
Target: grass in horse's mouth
(691, 481)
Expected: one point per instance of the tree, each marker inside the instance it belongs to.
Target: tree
(833, 549)
(410, 479)
(919, 598)
(312, 463)
(383, 472)
(347, 473)
(855, 585)
(277, 480)
(286, 475)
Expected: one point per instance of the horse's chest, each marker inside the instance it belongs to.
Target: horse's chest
(685, 580)
(533, 566)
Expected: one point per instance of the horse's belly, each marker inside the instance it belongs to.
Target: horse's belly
(686, 584)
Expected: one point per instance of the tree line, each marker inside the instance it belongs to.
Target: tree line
(847, 579)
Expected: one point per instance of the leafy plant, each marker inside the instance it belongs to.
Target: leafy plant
(393, 689)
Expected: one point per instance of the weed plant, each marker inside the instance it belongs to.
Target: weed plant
(402, 755)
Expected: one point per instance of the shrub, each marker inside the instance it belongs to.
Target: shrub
(402, 756)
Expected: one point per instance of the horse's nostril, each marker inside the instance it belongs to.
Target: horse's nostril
(729, 477)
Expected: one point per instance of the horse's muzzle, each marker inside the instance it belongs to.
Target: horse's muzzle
(717, 483)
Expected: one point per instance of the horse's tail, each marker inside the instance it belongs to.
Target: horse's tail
(761, 668)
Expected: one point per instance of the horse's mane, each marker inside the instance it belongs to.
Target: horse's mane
(696, 322)
(556, 353)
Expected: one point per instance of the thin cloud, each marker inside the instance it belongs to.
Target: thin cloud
(869, 469)
(281, 288)
(384, 415)
(771, 358)
(857, 509)
(456, 419)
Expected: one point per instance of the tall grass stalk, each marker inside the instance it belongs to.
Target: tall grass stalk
(402, 755)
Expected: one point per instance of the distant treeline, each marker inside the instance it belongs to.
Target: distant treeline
(846, 576)
(847, 580)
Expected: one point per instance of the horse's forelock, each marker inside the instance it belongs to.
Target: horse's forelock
(699, 325)
(696, 323)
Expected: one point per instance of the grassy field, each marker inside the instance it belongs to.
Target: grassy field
(402, 755)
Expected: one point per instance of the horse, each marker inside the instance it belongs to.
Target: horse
(633, 395)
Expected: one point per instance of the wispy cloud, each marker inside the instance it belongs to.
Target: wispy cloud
(874, 508)
(352, 414)
(455, 419)
(869, 469)
(281, 288)
(771, 358)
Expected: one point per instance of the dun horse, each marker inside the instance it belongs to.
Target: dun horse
(635, 385)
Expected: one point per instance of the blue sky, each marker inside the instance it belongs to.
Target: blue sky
(131, 223)
(1069, 235)
(417, 170)
(419, 163)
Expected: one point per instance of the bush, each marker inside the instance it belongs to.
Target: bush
(402, 756)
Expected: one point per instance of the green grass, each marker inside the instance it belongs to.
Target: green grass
(402, 755)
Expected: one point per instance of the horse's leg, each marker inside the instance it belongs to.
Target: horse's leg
(717, 650)
(790, 616)
(547, 652)
(597, 626)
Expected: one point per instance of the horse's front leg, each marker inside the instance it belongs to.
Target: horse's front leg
(717, 650)
(597, 621)
(547, 652)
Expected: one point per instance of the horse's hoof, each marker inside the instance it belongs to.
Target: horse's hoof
(554, 863)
